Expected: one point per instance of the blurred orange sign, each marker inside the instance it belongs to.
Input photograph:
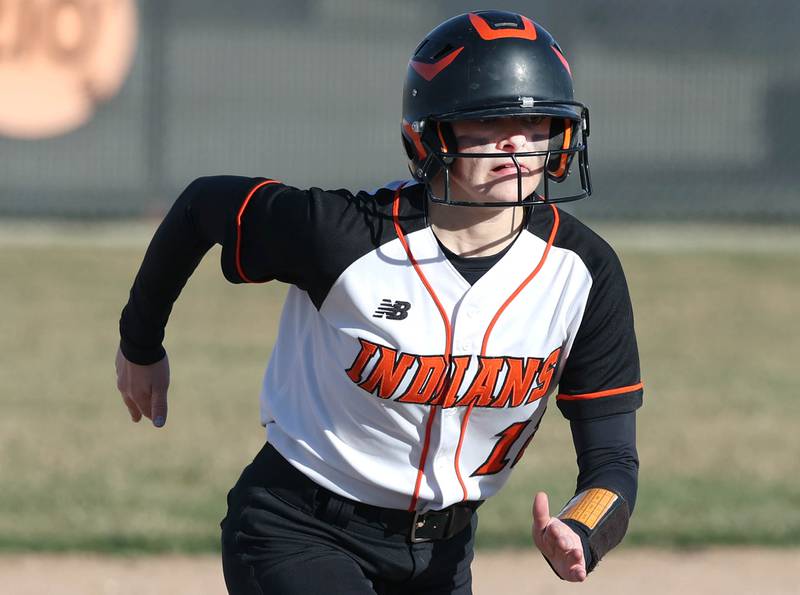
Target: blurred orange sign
(58, 59)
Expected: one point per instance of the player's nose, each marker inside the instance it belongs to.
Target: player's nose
(513, 141)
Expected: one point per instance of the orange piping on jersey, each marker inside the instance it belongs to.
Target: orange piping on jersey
(429, 71)
(441, 138)
(239, 268)
(530, 277)
(602, 393)
(447, 347)
(487, 33)
(527, 280)
(562, 58)
(412, 506)
(563, 157)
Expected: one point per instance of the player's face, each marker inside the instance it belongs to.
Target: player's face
(490, 179)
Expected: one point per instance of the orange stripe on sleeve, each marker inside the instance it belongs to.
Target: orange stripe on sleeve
(602, 393)
(239, 268)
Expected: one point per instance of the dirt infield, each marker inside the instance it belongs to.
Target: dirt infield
(717, 571)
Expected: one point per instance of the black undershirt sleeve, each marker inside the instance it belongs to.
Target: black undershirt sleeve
(200, 218)
(268, 231)
(606, 452)
(607, 458)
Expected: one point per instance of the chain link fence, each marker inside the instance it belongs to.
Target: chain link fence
(692, 105)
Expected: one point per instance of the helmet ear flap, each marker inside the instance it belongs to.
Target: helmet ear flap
(409, 148)
(436, 138)
(439, 137)
(415, 151)
(563, 136)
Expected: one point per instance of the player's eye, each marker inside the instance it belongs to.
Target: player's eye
(471, 140)
(534, 120)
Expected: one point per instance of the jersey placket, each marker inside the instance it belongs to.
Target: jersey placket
(457, 343)
(487, 331)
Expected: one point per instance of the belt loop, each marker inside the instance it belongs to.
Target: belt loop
(336, 510)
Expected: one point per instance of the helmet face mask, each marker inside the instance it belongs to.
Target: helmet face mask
(488, 65)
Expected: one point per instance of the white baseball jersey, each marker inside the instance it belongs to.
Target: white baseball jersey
(394, 381)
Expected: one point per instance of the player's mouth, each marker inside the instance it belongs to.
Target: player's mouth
(505, 169)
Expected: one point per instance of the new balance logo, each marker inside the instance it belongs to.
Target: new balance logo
(396, 310)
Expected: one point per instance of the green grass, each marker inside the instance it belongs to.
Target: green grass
(718, 435)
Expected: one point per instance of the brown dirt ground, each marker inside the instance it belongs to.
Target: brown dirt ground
(628, 571)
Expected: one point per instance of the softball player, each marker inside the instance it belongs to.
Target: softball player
(426, 326)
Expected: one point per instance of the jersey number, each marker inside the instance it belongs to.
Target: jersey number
(498, 458)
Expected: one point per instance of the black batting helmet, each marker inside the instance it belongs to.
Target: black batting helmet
(491, 64)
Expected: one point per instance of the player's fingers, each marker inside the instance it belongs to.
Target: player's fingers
(158, 408)
(142, 400)
(573, 559)
(574, 555)
(565, 541)
(125, 386)
(133, 410)
(577, 573)
(576, 567)
(541, 513)
(565, 551)
(553, 546)
(567, 564)
(124, 390)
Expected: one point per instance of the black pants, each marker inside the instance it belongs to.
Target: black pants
(318, 544)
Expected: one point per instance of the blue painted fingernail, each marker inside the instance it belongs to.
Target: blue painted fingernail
(159, 421)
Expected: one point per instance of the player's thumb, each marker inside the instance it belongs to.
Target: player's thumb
(541, 512)
(158, 408)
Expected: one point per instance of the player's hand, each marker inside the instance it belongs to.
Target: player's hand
(144, 388)
(558, 542)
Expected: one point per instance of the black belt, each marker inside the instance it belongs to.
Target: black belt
(432, 525)
(300, 491)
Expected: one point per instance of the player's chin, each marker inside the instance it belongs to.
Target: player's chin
(506, 188)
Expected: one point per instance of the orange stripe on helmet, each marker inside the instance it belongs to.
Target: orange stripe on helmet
(488, 34)
(562, 165)
(416, 140)
(562, 58)
(428, 71)
(441, 138)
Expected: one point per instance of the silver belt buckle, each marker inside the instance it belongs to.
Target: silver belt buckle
(417, 523)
